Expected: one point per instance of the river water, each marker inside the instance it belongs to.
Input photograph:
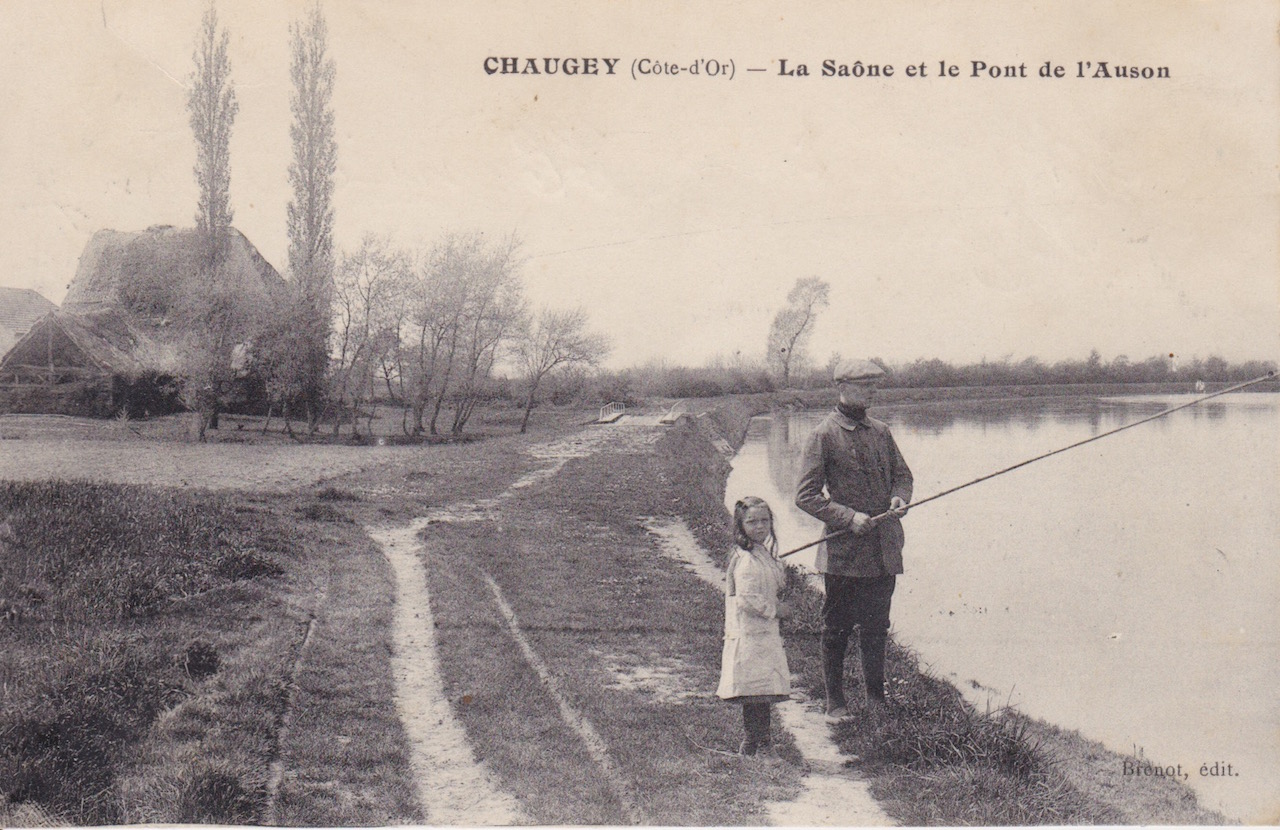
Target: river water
(1129, 588)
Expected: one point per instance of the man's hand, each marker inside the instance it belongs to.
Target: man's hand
(897, 507)
(784, 611)
(860, 523)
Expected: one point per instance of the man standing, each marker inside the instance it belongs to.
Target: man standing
(851, 471)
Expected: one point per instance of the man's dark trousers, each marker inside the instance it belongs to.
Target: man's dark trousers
(861, 602)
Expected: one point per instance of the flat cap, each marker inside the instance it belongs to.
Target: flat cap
(856, 369)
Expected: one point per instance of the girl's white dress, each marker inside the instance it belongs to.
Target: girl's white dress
(754, 664)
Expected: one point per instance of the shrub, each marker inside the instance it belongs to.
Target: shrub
(150, 393)
(245, 563)
(322, 512)
(929, 725)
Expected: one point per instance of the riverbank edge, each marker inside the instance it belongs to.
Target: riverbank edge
(891, 397)
(712, 432)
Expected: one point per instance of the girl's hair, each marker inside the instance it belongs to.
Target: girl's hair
(740, 537)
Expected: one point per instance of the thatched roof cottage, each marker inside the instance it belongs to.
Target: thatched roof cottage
(117, 331)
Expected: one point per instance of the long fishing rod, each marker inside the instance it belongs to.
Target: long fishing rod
(875, 519)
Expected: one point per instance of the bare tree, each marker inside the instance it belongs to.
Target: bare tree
(792, 325)
(393, 371)
(210, 310)
(434, 323)
(465, 304)
(364, 332)
(279, 359)
(310, 212)
(555, 340)
(492, 308)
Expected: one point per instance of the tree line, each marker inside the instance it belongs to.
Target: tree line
(739, 375)
(428, 330)
(1091, 369)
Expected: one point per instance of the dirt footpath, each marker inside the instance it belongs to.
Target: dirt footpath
(453, 787)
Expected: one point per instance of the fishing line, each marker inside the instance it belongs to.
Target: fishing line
(877, 518)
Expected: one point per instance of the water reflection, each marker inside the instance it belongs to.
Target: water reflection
(1128, 588)
(784, 452)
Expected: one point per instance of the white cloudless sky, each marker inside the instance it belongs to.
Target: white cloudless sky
(958, 218)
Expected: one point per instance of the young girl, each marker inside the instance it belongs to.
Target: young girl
(753, 670)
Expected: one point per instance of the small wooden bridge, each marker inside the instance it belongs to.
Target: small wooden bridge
(610, 413)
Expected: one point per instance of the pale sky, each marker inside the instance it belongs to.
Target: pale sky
(958, 218)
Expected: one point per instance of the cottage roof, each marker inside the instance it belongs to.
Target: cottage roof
(147, 272)
(106, 341)
(20, 307)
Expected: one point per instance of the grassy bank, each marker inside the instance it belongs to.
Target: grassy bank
(99, 582)
(172, 656)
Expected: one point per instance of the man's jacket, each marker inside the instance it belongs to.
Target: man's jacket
(850, 466)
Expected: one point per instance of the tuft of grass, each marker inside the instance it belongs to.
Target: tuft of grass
(213, 793)
(928, 724)
(200, 660)
(981, 796)
(331, 493)
(26, 815)
(236, 563)
(65, 722)
(322, 512)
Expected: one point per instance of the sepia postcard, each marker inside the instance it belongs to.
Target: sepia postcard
(387, 387)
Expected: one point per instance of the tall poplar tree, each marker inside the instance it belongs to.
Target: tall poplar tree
(211, 101)
(310, 212)
(214, 316)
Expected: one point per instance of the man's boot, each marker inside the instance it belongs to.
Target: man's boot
(872, 647)
(833, 649)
